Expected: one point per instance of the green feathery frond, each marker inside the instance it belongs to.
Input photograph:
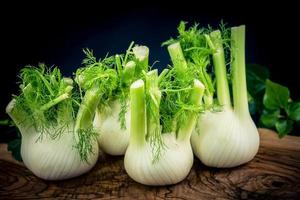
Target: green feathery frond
(153, 100)
(43, 91)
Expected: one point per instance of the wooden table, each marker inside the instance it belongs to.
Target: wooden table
(273, 174)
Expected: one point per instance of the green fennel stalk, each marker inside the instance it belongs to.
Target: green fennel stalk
(215, 42)
(239, 86)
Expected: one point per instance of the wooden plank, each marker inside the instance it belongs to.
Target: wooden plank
(273, 174)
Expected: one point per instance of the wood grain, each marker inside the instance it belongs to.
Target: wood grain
(273, 174)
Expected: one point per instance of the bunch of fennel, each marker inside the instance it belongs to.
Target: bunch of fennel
(157, 120)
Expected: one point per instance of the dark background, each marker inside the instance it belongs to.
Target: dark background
(56, 33)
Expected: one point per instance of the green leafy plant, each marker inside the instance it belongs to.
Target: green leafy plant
(271, 102)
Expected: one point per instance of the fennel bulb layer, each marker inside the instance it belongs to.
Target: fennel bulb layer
(173, 165)
(112, 138)
(55, 159)
(222, 139)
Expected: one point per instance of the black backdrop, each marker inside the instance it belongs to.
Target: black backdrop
(56, 33)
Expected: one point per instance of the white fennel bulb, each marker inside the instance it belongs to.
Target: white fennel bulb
(55, 159)
(55, 144)
(228, 138)
(223, 139)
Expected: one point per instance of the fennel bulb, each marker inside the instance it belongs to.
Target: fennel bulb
(153, 157)
(112, 121)
(228, 138)
(54, 145)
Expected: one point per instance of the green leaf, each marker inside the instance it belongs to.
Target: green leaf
(276, 96)
(256, 82)
(284, 127)
(15, 147)
(269, 118)
(256, 78)
(293, 111)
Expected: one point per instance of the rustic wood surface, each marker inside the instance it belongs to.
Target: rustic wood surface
(273, 174)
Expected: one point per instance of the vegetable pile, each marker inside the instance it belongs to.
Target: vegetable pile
(122, 106)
